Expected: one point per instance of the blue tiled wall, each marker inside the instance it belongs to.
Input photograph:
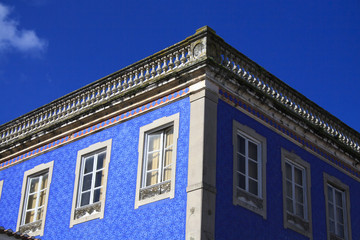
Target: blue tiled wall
(236, 222)
(164, 219)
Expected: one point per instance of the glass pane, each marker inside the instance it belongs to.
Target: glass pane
(288, 171)
(153, 161)
(289, 189)
(42, 198)
(167, 174)
(98, 179)
(330, 194)
(32, 201)
(300, 210)
(241, 144)
(87, 182)
(152, 178)
(338, 198)
(340, 230)
(100, 160)
(29, 217)
(331, 211)
(34, 184)
(339, 215)
(332, 226)
(44, 181)
(289, 205)
(252, 151)
(241, 179)
(169, 137)
(253, 169)
(154, 142)
(253, 187)
(168, 157)
(89, 163)
(241, 163)
(85, 199)
(97, 194)
(299, 194)
(39, 213)
(298, 176)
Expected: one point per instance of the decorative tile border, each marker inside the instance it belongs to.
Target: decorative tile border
(96, 127)
(228, 97)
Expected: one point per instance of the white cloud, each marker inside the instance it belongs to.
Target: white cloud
(12, 37)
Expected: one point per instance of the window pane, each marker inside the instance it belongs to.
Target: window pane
(241, 181)
(154, 142)
(44, 181)
(339, 215)
(34, 184)
(253, 169)
(29, 216)
(241, 144)
(97, 193)
(332, 226)
(300, 210)
(241, 163)
(42, 198)
(253, 187)
(87, 182)
(169, 137)
(253, 151)
(289, 205)
(153, 161)
(40, 213)
(152, 178)
(288, 171)
(32, 201)
(298, 176)
(100, 160)
(331, 210)
(85, 199)
(338, 198)
(289, 189)
(330, 194)
(168, 157)
(98, 179)
(299, 194)
(340, 230)
(167, 174)
(89, 163)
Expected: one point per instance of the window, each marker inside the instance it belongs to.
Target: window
(90, 183)
(157, 160)
(249, 188)
(34, 199)
(296, 193)
(337, 208)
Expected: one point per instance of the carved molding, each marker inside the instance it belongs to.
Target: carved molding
(154, 190)
(30, 227)
(248, 199)
(87, 210)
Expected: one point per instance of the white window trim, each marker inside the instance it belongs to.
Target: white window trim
(1, 186)
(251, 134)
(27, 174)
(295, 160)
(92, 148)
(157, 125)
(337, 184)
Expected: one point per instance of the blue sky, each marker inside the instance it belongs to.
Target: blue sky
(49, 48)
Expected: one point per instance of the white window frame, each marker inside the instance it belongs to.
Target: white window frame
(80, 214)
(35, 228)
(1, 186)
(243, 197)
(337, 185)
(158, 125)
(291, 220)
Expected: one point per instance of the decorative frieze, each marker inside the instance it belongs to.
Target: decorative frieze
(30, 227)
(155, 190)
(87, 210)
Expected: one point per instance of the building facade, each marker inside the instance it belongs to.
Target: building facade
(194, 142)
